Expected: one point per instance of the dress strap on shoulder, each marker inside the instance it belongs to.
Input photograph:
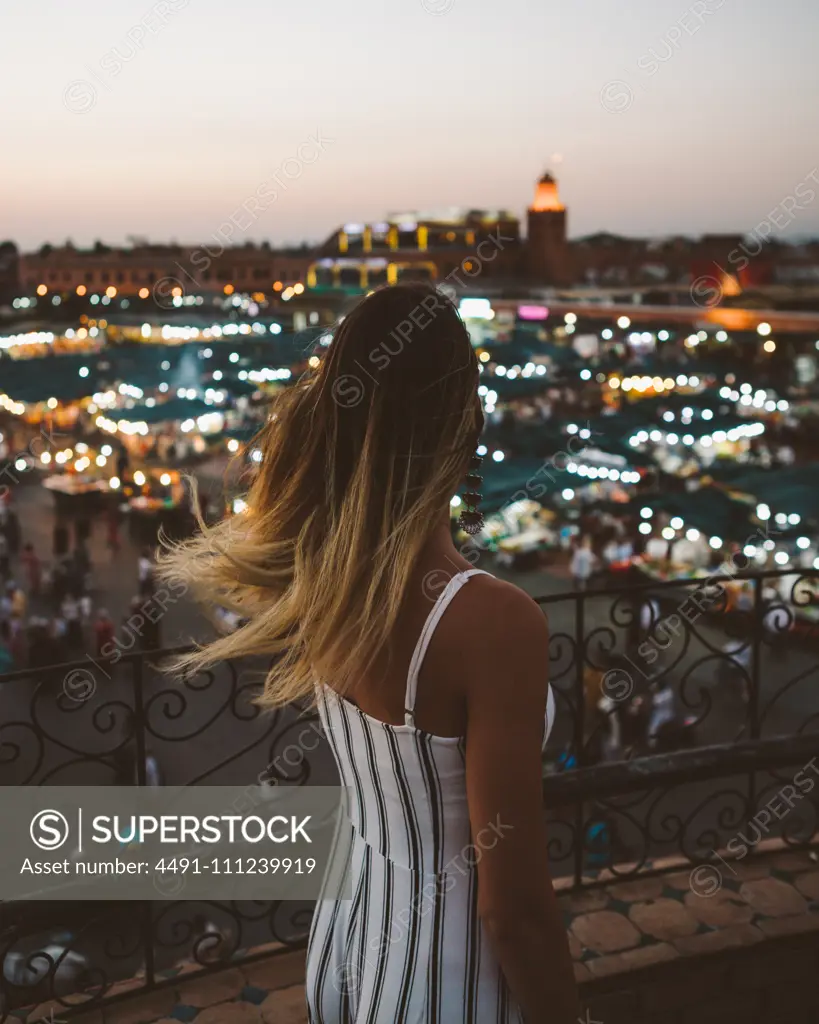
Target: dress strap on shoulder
(434, 617)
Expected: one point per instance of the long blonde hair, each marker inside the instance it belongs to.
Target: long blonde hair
(359, 462)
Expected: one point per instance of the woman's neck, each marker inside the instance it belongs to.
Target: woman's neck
(441, 551)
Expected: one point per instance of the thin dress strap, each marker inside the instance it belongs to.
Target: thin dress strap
(434, 617)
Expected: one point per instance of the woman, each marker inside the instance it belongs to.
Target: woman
(33, 569)
(430, 677)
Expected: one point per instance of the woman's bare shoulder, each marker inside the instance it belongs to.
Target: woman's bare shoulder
(503, 603)
(505, 653)
(501, 622)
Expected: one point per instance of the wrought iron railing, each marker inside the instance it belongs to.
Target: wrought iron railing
(96, 723)
(738, 650)
(717, 666)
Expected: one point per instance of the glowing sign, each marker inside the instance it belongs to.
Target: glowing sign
(476, 309)
(533, 312)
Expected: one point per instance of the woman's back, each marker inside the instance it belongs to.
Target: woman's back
(409, 946)
(441, 695)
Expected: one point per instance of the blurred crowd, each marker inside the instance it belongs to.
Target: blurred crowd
(48, 611)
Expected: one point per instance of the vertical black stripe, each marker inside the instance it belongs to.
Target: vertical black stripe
(435, 797)
(361, 961)
(326, 715)
(414, 841)
(411, 955)
(362, 806)
(380, 806)
(415, 833)
(346, 969)
(383, 945)
(324, 959)
(430, 774)
(473, 949)
(436, 954)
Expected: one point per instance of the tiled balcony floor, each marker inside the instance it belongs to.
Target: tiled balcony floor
(612, 930)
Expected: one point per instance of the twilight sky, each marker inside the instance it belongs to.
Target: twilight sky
(161, 119)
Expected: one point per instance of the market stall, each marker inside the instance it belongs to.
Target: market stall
(157, 503)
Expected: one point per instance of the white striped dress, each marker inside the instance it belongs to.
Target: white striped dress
(408, 948)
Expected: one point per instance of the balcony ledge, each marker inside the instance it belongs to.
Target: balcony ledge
(670, 948)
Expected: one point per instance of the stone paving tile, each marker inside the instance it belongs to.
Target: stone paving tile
(777, 926)
(287, 1006)
(211, 988)
(584, 902)
(664, 919)
(773, 898)
(605, 931)
(721, 910)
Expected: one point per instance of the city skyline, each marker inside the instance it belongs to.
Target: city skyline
(161, 120)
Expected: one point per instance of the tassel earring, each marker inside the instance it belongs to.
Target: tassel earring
(471, 519)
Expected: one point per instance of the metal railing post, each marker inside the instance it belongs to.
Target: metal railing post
(756, 639)
(753, 696)
(579, 731)
(147, 916)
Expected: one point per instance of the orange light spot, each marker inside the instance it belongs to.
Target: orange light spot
(546, 196)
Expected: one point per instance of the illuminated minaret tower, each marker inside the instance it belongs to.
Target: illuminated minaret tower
(547, 252)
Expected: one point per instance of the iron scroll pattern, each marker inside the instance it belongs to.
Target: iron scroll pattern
(679, 828)
(739, 657)
(96, 724)
(734, 659)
